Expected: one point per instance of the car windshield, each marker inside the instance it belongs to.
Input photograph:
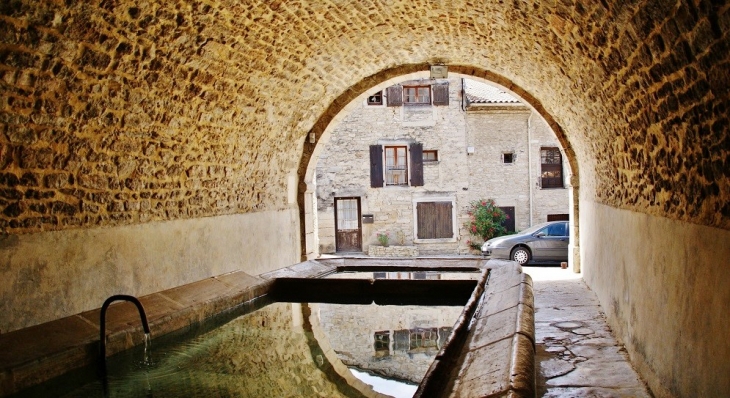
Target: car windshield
(533, 229)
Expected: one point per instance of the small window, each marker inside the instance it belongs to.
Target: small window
(508, 157)
(430, 156)
(551, 168)
(558, 217)
(382, 341)
(401, 340)
(417, 95)
(376, 99)
(424, 338)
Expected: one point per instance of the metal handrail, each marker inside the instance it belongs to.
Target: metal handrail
(102, 325)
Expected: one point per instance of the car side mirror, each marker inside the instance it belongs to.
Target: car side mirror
(540, 234)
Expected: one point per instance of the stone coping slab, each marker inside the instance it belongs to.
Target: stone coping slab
(497, 356)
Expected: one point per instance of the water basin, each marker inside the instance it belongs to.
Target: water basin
(273, 347)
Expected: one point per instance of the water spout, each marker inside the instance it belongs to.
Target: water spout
(102, 326)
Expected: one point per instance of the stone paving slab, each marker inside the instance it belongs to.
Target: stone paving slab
(577, 355)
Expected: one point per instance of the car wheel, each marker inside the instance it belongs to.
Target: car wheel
(520, 255)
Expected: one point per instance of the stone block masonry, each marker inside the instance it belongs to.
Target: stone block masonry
(122, 114)
(392, 251)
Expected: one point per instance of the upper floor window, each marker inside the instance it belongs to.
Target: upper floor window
(417, 95)
(376, 99)
(551, 168)
(432, 94)
(396, 167)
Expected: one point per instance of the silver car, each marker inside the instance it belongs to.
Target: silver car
(546, 242)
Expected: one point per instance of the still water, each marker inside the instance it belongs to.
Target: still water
(277, 350)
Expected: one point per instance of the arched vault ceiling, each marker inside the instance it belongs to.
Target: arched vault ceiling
(120, 112)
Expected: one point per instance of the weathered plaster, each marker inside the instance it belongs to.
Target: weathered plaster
(50, 275)
(663, 286)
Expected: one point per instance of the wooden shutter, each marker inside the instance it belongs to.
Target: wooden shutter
(416, 166)
(376, 166)
(441, 94)
(395, 95)
(434, 220)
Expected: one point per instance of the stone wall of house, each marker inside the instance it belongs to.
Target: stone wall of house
(343, 168)
(492, 130)
(546, 201)
(498, 129)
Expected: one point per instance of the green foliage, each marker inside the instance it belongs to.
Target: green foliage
(383, 237)
(485, 220)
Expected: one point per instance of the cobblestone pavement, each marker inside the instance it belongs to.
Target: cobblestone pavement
(577, 355)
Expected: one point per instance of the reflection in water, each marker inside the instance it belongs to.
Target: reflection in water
(398, 342)
(413, 275)
(274, 352)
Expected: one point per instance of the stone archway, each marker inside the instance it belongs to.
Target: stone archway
(146, 146)
(319, 134)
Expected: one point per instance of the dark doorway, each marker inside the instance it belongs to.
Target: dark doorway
(509, 223)
(348, 228)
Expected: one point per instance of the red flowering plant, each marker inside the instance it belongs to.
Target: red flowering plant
(485, 221)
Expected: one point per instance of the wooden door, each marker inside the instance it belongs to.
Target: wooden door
(348, 228)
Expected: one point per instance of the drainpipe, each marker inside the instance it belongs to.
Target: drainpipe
(529, 160)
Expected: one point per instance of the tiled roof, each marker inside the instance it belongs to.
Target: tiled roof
(482, 93)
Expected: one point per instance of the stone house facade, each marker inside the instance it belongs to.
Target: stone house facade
(409, 160)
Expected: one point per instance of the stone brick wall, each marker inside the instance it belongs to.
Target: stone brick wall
(496, 129)
(392, 251)
(122, 114)
(343, 167)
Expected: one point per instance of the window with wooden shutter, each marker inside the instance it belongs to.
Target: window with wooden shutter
(434, 220)
(376, 166)
(416, 150)
(551, 168)
(417, 95)
(441, 94)
(395, 95)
